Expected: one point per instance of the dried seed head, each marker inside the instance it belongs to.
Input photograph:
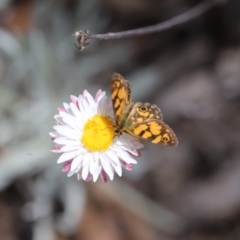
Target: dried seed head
(82, 38)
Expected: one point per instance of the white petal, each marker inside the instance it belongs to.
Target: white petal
(86, 158)
(64, 141)
(66, 106)
(58, 118)
(69, 117)
(68, 148)
(85, 171)
(102, 106)
(135, 142)
(70, 173)
(89, 110)
(67, 131)
(90, 99)
(75, 110)
(76, 162)
(124, 156)
(96, 173)
(98, 93)
(81, 149)
(96, 157)
(101, 96)
(80, 99)
(84, 105)
(93, 165)
(106, 166)
(75, 123)
(55, 134)
(118, 168)
(126, 145)
(112, 155)
(66, 156)
(84, 109)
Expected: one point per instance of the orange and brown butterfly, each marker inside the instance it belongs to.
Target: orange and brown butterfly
(142, 120)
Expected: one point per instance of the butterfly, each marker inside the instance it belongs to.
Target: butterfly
(142, 120)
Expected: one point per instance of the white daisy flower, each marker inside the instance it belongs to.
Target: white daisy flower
(85, 135)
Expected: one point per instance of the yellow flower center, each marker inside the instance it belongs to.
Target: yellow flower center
(98, 133)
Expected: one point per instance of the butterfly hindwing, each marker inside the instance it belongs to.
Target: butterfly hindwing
(155, 131)
(146, 122)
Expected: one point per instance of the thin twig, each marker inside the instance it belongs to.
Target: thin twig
(83, 37)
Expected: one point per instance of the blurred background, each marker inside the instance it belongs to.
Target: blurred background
(192, 72)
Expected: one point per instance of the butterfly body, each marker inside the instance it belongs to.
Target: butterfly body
(142, 120)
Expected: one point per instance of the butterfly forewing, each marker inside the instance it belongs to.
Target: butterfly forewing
(121, 98)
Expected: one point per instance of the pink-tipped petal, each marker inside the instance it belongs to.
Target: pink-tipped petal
(139, 154)
(74, 100)
(99, 92)
(127, 166)
(136, 144)
(56, 149)
(61, 109)
(66, 167)
(104, 176)
(100, 97)
(84, 93)
(89, 177)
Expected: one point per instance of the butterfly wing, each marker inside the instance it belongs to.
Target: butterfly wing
(145, 121)
(121, 98)
(155, 131)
